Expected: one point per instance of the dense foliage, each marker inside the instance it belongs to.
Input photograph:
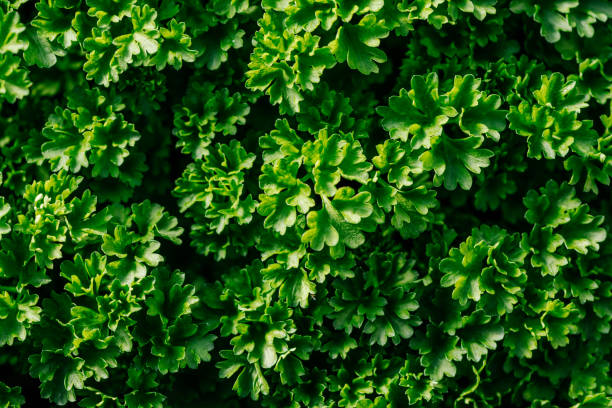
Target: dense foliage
(305, 203)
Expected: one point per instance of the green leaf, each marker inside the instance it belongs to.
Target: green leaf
(339, 345)
(109, 11)
(488, 263)
(16, 315)
(198, 350)
(357, 44)
(54, 22)
(454, 159)
(479, 333)
(138, 399)
(101, 65)
(307, 15)
(594, 401)
(39, 51)
(294, 285)
(552, 206)
(84, 223)
(335, 157)
(142, 40)
(174, 47)
(215, 187)
(583, 231)
(283, 194)
(14, 82)
(336, 225)
(559, 322)
(5, 227)
(543, 243)
(60, 375)
(282, 142)
(170, 298)
(558, 94)
(290, 370)
(111, 139)
(409, 208)
(66, 147)
(480, 8)
(284, 65)
(418, 112)
(462, 270)
(10, 397)
(438, 353)
(393, 160)
(10, 30)
(550, 123)
(521, 341)
(84, 276)
(484, 118)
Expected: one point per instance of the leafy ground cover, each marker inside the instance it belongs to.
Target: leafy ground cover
(305, 203)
